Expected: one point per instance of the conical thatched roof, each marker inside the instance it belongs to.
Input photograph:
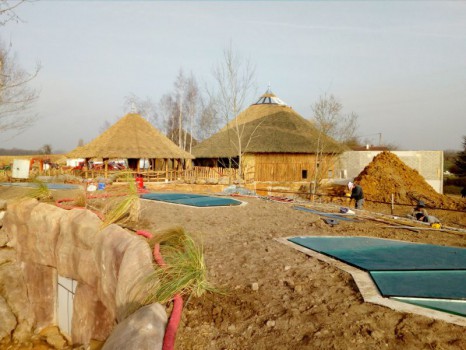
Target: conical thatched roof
(266, 128)
(131, 137)
(267, 104)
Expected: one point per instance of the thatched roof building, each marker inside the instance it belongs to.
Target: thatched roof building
(268, 126)
(270, 132)
(132, 137)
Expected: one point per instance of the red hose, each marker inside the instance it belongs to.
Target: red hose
(146, 234)
(175, 317)
(173, 323)
(59, 202)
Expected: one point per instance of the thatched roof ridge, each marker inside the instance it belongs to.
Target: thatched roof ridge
(130, 137)
(283, 131)
(257, 111)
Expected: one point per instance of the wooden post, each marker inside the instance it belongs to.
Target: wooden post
(86, 166)
(105, 167)
(393, 203)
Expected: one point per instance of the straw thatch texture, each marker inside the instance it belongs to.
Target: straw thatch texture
(266, 129)
(131, 137)
(258, 111)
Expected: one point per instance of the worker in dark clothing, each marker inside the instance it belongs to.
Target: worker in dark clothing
(419, 212)
(356, 194)
(463, 192)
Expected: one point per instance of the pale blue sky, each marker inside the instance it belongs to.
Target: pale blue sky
(401, 66)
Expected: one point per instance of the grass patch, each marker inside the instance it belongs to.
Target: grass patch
(127, 209)
(80, 200)
(40, 192)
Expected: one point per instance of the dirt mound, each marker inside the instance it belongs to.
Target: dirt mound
(387, 175)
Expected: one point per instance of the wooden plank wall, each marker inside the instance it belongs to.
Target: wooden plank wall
(289, 167)
(199, 172)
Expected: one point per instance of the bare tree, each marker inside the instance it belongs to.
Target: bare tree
(7, 11)
(182, 110)
(235, 81)
(144, 107)
(180, 89)
(16, 95)
(330, 121)
(209, 120)
(105, 125)
(192, 97)
(168, 112)
(331, 124)
(46, 149)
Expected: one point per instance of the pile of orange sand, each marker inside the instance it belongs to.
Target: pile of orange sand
(387, 175)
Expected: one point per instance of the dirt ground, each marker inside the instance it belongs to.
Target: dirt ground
(301, 302)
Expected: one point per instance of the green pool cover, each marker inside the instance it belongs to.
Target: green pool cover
(375, 254)
(403, 269)
(422, 284)
(195, 200)
(52, 186)
(455, 307)
(328, 215)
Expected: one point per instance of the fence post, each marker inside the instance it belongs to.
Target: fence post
(393, 203)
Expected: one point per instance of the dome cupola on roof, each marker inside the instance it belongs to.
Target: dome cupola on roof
(269, 98)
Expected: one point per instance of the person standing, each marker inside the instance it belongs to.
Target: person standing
(357, 194)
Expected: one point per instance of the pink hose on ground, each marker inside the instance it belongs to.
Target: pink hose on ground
(175, 317)
(59, 202)
(146, 234)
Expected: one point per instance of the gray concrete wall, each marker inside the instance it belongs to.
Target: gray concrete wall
(428, 163)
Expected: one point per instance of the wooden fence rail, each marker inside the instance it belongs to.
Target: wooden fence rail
(192, 174)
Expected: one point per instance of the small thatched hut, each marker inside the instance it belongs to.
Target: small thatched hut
(134, 138)
(275, 143)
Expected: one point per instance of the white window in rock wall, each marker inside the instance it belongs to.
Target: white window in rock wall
(66, 291)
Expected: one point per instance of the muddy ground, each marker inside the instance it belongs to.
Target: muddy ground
(301, 302)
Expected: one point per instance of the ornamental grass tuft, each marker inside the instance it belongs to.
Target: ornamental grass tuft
(40, 191)
(127, 209)
(184, 271)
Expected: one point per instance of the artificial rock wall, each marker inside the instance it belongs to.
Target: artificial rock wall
(39, 241)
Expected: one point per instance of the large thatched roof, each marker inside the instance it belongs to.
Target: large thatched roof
(131, 137)
(266, 127)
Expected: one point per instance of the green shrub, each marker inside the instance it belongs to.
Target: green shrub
(451, 189)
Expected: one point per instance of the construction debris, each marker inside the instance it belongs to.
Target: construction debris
(387, 175)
